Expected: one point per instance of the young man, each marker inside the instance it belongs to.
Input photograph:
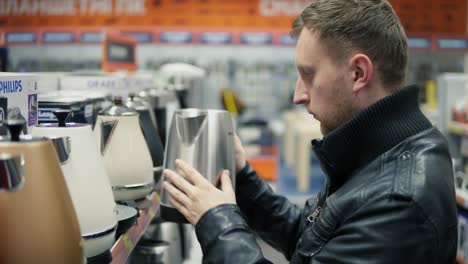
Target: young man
(389, 196)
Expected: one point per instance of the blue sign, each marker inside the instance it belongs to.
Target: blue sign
(176, 37)
(20, 37)
(287, 40)
(419, 43)
(452, 43)
(58, 37)
(91, 37)
(256, 38)
(216, 38)
(140, 37)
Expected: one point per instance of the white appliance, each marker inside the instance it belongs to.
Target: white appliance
(126, 154)
(87, 181)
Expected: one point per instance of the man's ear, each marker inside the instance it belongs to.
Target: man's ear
(362, 71)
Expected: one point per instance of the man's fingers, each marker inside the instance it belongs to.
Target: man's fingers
(176, 194)
(237, 142)
(226, 184)
(192, 174)
(178, 181)
(179, 206)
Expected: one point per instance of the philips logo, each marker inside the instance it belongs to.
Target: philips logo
(14, 86)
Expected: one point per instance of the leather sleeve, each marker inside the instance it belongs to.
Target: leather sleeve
(392, 229)
(225, 237)
(272, 216)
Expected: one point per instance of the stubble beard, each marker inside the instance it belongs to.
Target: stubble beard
(345, 111)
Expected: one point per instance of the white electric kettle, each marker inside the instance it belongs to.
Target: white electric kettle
(126, 154)
(86, 179)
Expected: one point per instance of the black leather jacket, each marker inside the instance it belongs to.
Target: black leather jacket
(389, 198)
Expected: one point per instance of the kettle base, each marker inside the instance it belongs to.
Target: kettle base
(172, 215)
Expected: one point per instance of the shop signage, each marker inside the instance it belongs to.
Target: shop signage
(20, 37)
(287, 40)
(419, 43)
(256, 38)
(58, 37)
(140, 37)
(91, 37)
(216, 38)
(452, 43)
(118, 53)
(175, 37)
(428, 16)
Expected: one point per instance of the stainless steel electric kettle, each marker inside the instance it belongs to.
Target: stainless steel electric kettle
(204, 139)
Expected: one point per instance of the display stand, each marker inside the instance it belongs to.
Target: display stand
(126, 243)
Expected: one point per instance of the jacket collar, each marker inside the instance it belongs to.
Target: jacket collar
(369, 134)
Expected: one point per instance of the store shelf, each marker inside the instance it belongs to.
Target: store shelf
(124, 246)
(457, 128)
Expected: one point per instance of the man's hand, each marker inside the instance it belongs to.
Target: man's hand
(240, 154)
(195, 195)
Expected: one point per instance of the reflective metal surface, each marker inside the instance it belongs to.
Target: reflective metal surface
(137, 103)
(11, 172)
(149, 128)
(107, 129)
(68, 124)
(204, 139)
(63, 147)
(99, 234)
(133, 186)
(118, 109)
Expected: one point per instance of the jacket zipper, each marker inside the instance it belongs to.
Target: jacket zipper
(313, 217)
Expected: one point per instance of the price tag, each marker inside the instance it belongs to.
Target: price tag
(151, 213)
(128, 244)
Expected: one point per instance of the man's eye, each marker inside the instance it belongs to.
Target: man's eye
(307, 75)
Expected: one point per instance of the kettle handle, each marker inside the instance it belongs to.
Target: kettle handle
(62, 115)
(11, 172)
(62, 146)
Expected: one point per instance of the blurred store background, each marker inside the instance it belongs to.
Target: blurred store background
(232, 55)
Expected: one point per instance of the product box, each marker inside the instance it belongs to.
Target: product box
(18, 99)
(92, 81)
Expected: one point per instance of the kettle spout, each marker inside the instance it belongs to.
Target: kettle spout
(107, 130)
(189, 125)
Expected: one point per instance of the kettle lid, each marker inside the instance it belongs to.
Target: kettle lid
(137, 103)
(61, 115)
(118, 109)
(15, 127)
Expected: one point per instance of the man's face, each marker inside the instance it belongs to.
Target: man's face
(323, 86)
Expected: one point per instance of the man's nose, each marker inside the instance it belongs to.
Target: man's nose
(300, 93)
